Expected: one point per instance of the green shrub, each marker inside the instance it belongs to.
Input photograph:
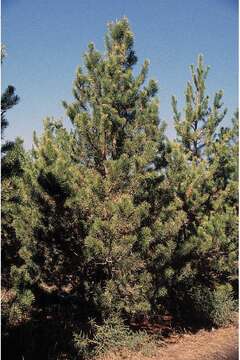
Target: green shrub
(223, 306)
(113, 335)
(214, 307)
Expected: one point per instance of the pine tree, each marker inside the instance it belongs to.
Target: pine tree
(88, 231)
(111, 219)
(12, 155)
(15, 299)
(196, 251)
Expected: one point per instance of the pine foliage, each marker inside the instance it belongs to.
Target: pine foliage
(112, 220)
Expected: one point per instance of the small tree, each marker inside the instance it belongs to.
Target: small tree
(197, 230)
(89, 231)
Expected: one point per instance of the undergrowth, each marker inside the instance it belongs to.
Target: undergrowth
(113, 335)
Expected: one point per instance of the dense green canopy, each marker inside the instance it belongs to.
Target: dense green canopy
(112, 217)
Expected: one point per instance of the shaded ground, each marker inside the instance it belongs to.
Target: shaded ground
(221, 344)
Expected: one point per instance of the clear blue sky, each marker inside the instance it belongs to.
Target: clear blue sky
(46, 39)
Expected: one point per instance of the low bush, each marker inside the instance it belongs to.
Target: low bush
(214, 307)
(113, 335)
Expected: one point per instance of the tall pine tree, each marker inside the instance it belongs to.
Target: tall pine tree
(88, 231)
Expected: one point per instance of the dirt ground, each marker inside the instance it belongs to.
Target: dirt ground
(221, 344)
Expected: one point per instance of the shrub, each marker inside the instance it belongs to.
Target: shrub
(214, 307)
(112, 335)
(223, 306)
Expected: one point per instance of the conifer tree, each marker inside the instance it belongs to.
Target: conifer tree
(196, 251)
(15, 300)
(12, 155)
(111, 219)
(88, 230)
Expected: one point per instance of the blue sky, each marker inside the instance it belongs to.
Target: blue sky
(46, 39)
